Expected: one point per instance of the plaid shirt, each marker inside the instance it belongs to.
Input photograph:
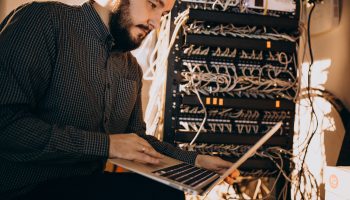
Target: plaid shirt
(61, 92)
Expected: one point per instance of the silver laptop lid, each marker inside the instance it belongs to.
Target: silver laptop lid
(247, 155)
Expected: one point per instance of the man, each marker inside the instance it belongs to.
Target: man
(70, 99)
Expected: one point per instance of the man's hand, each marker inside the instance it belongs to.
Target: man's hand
(217, 165)
(132, 147)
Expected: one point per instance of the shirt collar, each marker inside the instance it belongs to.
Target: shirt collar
(97, 25)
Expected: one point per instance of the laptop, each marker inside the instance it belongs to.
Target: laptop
(186, 177)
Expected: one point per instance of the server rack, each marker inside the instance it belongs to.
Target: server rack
(235, 119)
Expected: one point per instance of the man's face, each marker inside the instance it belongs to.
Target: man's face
(132, 20)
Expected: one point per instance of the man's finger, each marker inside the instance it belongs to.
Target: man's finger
(221, 171)
(141, 157)
(224, 164)
(141, 141)
(229, 180)
(235, 174)
(147, 148)
(151, 152)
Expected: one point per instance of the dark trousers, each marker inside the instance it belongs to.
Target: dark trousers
(105, 186)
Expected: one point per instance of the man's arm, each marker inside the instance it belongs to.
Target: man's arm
(27, 49)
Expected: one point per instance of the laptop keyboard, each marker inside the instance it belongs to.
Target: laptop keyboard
(186, 174)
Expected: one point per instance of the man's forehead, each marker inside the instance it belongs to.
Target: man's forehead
(167, 4)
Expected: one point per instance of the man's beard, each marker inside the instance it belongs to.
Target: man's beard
(120, 23)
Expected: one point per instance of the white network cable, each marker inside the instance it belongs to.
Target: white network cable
(155, 73)
(205, 113)
(248, 82)
(159, 57)
(220, 5)
(199, 27)
(225, 4)
(157, 70)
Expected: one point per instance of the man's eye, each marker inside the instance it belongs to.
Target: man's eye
(153, 5)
